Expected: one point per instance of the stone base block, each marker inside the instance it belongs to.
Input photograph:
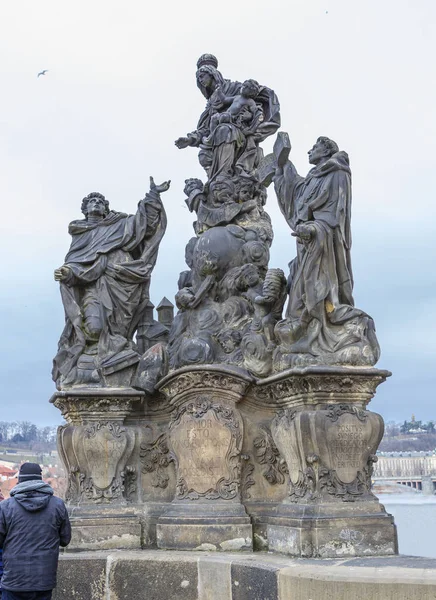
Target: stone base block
(333, 537)
(206, 537)
(203, 527)
(157, 575)
(105, 533)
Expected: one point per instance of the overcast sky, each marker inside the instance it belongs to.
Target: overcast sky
(121, 88)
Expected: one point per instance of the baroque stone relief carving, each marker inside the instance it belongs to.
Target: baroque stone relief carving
(247, 480)
(266, 453)
(206, 437)
(203, 379)
(129, 476)
(329, 453)
(155, 458)
(319, 386)
(95, 456)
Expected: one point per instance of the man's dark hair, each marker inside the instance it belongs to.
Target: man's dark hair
(87, 198)
(329, 144)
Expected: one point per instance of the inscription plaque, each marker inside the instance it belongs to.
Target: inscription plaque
(348, 441)
(103, 450)
(201, 445)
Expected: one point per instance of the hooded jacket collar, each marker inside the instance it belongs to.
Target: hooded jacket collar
(32, 495)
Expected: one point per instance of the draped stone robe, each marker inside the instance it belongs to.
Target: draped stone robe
(110, 264)
(321, 280)
(228, 147)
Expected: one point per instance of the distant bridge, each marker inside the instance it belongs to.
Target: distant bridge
(413, 469)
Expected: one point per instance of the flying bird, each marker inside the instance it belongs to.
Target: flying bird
(42, 72)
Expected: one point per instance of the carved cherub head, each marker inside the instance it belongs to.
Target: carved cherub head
(222, 190)
(229, 340)
(192, 184)
(95, 204)
(246, 188)
(250, 88)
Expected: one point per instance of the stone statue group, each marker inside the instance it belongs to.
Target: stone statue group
(230, 302)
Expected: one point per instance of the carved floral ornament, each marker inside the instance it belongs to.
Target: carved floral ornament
(267, 454)
(316, 482)
(114, 428)
(204, 380)
(247, 480)
(337, 410)
(155, 458)
(74, 408)
(356, 387)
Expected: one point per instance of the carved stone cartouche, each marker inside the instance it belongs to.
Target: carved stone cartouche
(95, 445)
(205, 436)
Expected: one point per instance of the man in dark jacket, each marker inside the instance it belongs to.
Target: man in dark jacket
(33, 524)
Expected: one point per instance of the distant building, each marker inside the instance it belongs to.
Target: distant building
(150, 331)
(7, 473)
(165, 312)
(404, 465)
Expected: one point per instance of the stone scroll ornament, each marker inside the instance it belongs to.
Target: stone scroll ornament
(322, 324)
(228, 300)
(329, 453)
(95, 456)
(104, 284)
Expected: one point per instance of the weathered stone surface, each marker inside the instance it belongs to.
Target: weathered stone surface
(162, 576)
(96, 445)
(216, 453)
(153, 575)
(343, 583)
(201, 444)
(82, 577)
(105, 533)
(210, 536)
(322, 443)
(365, 535)
(329, 453)
(214, 579)
(252, 583)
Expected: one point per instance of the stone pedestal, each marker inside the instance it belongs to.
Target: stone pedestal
(206, 436)
(218, 461)
(328, 442)
(96, 447)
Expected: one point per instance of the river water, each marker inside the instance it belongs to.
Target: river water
(416, 522)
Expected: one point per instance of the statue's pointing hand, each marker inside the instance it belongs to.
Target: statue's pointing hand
(163, 187)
